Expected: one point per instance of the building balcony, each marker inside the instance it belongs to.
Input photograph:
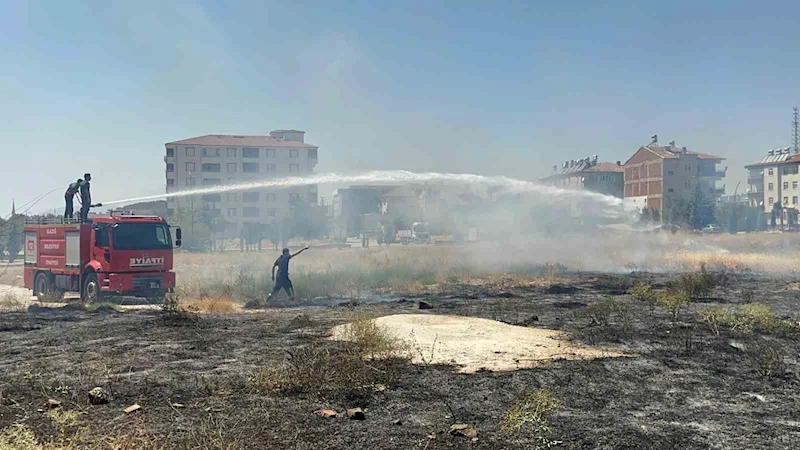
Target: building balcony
(712, 174)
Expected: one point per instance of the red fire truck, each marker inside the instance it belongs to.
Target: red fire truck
(118, 254)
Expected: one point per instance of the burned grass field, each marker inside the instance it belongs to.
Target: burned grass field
(710, 361)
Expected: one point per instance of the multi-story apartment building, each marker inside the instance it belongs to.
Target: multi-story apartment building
(774, 179)
(215, 159)
(655, 174)
(605, 177)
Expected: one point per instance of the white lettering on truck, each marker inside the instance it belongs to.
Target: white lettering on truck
(51, 246)
(146, 262)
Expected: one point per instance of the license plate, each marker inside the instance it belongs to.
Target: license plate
(154, 285)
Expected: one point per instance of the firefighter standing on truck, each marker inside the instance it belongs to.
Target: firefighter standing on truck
(86, 197)
(69, 196)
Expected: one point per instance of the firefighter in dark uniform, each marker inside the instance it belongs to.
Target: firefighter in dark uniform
(283, 281)
(86, 197)
(69, 196)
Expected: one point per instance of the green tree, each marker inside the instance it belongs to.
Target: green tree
(677, 211)
(196, 232)
(701, 209)
(655, 215)
(12, 235)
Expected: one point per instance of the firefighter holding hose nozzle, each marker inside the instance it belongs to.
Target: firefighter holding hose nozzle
(69, 196)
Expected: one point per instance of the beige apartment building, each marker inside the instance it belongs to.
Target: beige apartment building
(215, 159)
(774, 179)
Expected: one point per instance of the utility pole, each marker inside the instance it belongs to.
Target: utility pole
(796, 131)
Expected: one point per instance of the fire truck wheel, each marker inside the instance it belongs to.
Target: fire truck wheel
(41, 285)
(91, 289)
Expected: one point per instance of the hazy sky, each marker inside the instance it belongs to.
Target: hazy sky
(507, 88)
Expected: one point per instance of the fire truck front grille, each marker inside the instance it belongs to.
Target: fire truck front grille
(145, 283)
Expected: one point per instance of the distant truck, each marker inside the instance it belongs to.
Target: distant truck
(117, 254)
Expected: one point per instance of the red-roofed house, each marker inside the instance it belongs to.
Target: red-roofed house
(603, 177)
(654, 174)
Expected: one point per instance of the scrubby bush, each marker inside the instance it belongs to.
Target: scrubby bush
(766, 357)
(674, 303)
(747, 319)
(694, 285)
(643, 291)
(372, 358)
(532, 413)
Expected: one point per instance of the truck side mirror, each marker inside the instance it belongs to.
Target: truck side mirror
(178, 235)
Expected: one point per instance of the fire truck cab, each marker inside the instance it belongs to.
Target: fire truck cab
(118, 254)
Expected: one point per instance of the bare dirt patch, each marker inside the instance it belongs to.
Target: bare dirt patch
(476, 344)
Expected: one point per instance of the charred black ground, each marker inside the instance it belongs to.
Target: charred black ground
(196, 376)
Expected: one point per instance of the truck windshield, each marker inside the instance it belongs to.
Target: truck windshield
(141, 236)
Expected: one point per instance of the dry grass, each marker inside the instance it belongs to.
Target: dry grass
(219, 305)
(12, 301)
(372, 359)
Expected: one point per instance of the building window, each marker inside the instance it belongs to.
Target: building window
(294, 167)
(208, 167)
(270, 167)
(293, 198)
(670, 190)
(232, 167)
(248, 152)
(770, 174)
(231, 153)
(190, 151)
(794, 200)
(210, 181)
(771, 187)
(688, 184)
(688, 167)
(231, 227)
(270, 152)
(230, 196)
(270, 212)
(270, 197)
(211, 152)
(294, 153)
(170, 167)
(786, 185)
(794, 184)
(250, 167)
(785, 201)
(250, 211)
(231, 212)
(771, 200)
(312, 153)
(190, 167)
(190, 182)
(795, 169)
(170, 152)
(212, 198)
(671, 172)
(250, 197)
(170, 182)
(786, 171)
